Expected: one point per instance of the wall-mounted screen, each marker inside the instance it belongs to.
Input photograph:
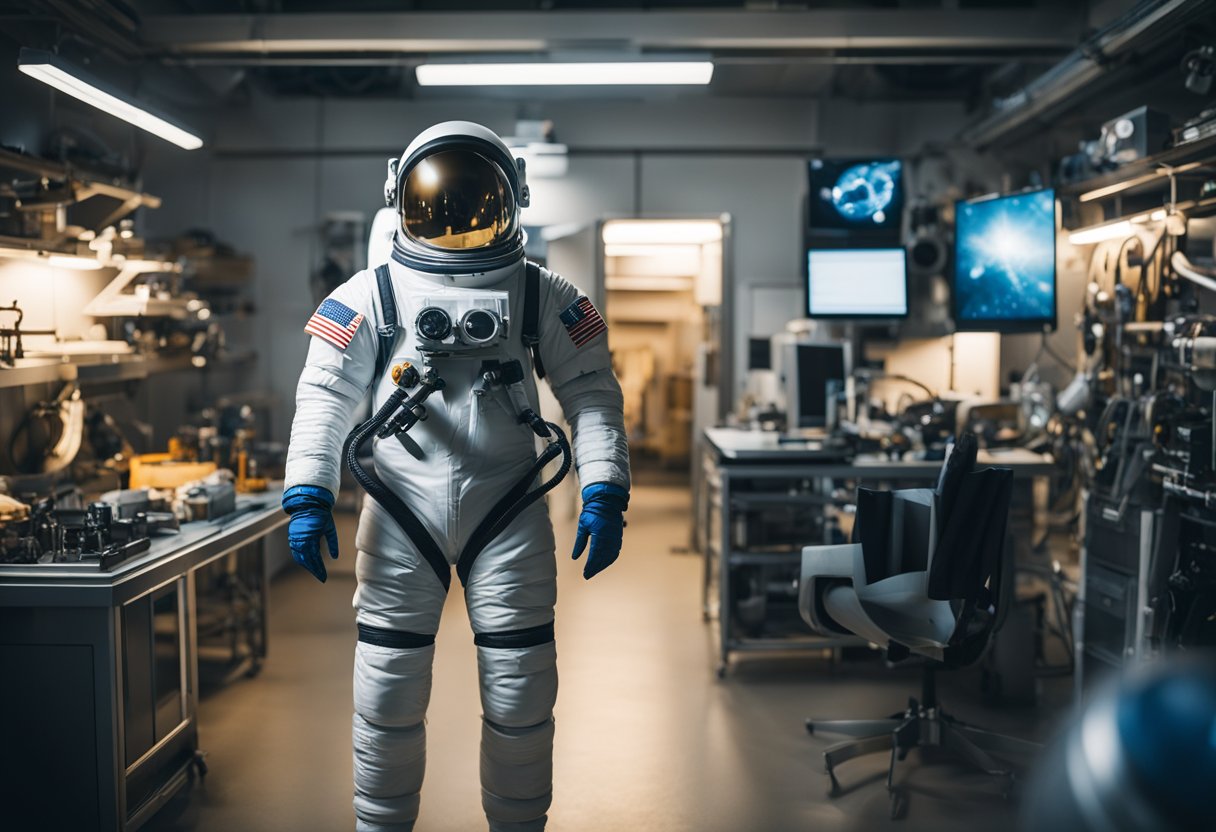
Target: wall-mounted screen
(856, 283)
(1005, 263)
(856, 195)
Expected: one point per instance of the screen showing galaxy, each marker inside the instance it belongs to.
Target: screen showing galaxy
(1005, 261)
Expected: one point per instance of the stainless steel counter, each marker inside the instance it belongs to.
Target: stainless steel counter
(99, 677)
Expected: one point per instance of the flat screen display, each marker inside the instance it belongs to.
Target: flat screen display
(860, 195)
(818, 366)
(856, 283)
(1005, 263)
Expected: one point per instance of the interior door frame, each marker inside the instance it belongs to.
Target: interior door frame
(726, 322)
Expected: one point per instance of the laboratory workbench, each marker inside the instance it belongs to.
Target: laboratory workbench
(99, 681)
(751, 477)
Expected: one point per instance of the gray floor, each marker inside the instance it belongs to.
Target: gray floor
(647, 738)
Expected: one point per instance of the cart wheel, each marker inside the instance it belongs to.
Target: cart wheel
(899, 804)
(200, 763)
(721, 671)
(810, 729)
(255, 667)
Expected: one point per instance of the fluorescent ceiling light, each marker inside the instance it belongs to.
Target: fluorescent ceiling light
(617, 73)
(634, 232)
(52, 70)
(1101, 233)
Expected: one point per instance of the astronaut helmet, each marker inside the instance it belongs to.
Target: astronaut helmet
(457, 191)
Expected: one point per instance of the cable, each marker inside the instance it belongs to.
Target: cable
(1185, 268)
(1045, 347)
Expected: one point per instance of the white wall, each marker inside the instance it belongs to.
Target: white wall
(274, 168)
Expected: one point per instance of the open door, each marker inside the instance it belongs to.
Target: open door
(663, 284)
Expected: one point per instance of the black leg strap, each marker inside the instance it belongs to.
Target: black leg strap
(400, 639)
(530, 637)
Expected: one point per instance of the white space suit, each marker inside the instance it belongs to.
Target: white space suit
(460, 230)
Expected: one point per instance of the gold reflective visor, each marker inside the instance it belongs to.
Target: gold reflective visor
(457, 199)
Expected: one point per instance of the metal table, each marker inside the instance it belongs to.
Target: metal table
(753, 470)
(98, 688)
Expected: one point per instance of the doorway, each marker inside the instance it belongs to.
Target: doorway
(662, 299)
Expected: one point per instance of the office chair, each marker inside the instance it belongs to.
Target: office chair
(930, 573)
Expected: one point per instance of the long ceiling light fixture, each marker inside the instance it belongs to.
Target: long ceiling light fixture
(612, 73)
(54, 71)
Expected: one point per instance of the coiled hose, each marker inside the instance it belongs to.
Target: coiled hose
(518, 498)
(378, 491)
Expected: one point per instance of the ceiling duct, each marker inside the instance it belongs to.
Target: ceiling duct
(1143, 26)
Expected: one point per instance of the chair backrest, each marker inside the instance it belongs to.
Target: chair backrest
(973, 567)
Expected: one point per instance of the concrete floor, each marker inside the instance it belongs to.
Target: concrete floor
(647, 737)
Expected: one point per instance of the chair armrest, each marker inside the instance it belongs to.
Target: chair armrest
(823, 567)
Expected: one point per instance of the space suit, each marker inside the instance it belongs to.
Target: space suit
(458, 249)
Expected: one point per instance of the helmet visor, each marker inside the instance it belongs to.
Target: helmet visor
(458, 199)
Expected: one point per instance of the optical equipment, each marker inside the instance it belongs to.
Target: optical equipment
(1199, 66)
(1005, 263)
(861, 196)
(857, 283)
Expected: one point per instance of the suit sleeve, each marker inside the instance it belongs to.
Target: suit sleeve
(574, 349)
(332, 385)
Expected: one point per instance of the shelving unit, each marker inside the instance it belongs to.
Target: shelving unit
(101, 369)
(1143, 185)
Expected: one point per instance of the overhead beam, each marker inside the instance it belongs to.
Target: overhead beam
(505, 32)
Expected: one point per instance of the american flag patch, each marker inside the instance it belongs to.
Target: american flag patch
(582, 321)
(333, 322)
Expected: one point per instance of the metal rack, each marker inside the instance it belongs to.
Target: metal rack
(745, 472)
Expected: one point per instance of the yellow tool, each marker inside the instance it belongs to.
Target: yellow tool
(246, 484)
(163, 471)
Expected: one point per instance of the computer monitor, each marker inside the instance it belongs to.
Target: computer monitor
(1005, 263)
(856, 283)
(864, 196)
(807, 371)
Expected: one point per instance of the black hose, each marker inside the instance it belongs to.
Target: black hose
(518, 498)
(397, 509)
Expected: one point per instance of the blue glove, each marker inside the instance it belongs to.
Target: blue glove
(603, 522)
(309, 507)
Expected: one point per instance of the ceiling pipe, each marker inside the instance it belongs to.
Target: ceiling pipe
(1144, 25)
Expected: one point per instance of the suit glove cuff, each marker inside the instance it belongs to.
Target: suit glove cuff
(300, 497)
(607, 493)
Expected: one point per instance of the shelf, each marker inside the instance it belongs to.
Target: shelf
(100, 369)
(779, 500)
(1136, 174)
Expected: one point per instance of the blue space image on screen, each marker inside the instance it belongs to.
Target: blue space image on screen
(864, 192)
(1006, 259)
